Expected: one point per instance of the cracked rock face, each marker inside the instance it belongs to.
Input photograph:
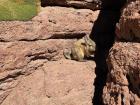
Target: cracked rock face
(123, 83)
(129, 25)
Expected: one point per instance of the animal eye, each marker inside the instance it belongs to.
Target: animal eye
(83, 43)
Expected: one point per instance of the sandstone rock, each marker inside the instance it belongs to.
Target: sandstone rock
(90, 4)
(27, 46)
(51, 22)
(16, 55)
(129, 25)
(22, 58)
(63, 82)
(123, 83)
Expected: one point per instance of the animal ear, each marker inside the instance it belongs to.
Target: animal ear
(83, 42)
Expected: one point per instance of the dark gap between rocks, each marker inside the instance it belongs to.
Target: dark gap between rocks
(130, 86)
(15, 75)
(93, 5)
(103, 33)
(122, 97)
(68, 36)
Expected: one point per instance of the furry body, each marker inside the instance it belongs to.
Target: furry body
(83, 48)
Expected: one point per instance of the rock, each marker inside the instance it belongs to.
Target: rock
(123, 85)
(27, 47)
(16, 55)
(55, 83)
(88, 4)
(129, 24)
(21, 58)
(49, 24)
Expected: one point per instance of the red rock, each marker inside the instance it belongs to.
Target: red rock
(27, 47)
(122, 85)
(49, 24)
(130, 22)
(55, 83)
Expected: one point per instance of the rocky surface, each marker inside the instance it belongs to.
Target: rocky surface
(33, 70)
(55, 83)
(16, 55)
(49, 24)
(23, 58)
(129, 28)
(123, 83)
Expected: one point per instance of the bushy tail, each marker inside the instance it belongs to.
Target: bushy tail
(67, 53)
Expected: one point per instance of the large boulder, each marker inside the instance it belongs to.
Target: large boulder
(129, 24)
(123, 82)
(21, 58)
(61, 82)
(51, 23)
(16, 55)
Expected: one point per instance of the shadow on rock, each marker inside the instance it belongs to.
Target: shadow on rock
(103, 33)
